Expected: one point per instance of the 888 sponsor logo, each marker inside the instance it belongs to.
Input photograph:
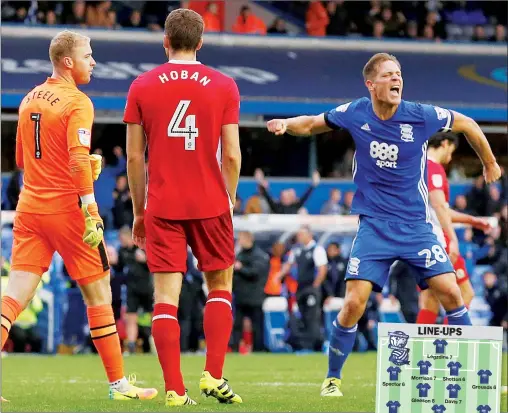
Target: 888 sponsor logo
(386, 155)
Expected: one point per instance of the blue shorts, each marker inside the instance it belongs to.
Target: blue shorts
(379, 243)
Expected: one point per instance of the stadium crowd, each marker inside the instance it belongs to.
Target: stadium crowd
(431, 20)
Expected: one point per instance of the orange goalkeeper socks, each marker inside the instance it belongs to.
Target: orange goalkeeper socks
(10, 312)
(105, 338)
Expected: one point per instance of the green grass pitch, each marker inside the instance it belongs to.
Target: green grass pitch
(267, 382)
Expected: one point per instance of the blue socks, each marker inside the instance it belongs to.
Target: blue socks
(459, 317)
(341, 344)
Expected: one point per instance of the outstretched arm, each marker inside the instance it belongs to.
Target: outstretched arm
(479, 142)
(299, 126)
(476, 222)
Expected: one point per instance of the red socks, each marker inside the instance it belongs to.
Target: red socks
(218, 323)
(426, 317)
(166, 335)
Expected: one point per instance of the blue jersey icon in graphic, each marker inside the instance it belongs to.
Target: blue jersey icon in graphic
(438, 408)
(424, 367)
(454, 368)
(440, 346)
(393, 406)
(394, 373)
(453, 389)
(484, 376)
(483, 409)
(423, 388)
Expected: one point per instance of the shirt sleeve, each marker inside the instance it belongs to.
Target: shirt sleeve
(231, 114)
(80, 121)
(132, 112)
(437, 119)
(339, 117)
(319, 256)
(435, 177)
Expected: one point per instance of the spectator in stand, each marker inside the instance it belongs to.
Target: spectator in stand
(250, 274)
(348, 202)
(273, 286)
(78, 14)
(248, 23)
(479, 34)
(50, 18)
(97, 14)
(333, 206)
(372, 16)
(494, 203)
(461, 205)
(434, 20)
(288, 204)
(278, 27)
(340, 22)
(478, 196)
(122, 209)
(211, 18)
(106, 183)
(428, 33)
(378, 29)
(316, 19)
(497, 298)
(499, 34)
(393, 23)
(334, 285)
(412, 30)
(135, 20)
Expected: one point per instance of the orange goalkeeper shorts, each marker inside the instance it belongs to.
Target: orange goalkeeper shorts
(36, 237)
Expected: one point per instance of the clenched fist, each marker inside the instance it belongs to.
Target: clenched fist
(277, 126)
(491, 172)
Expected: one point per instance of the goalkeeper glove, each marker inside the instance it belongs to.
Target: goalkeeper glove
(94, 228)
(96, 164)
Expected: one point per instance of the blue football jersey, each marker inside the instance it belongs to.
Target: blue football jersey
(390, 162)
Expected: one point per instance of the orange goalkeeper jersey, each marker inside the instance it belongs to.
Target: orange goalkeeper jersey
(53, 118)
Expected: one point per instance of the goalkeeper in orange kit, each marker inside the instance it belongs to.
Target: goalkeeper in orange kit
(57, 209)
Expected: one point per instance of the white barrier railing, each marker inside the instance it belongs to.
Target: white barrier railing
(282, 42)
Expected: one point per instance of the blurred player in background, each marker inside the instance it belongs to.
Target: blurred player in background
(52, 146)
(187, 114)
(389, 170)
(439, 154)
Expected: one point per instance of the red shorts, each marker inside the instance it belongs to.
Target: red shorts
(460, 270)
(459, 266)
(211, 240)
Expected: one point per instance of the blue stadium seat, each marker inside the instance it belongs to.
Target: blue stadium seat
(275, 310)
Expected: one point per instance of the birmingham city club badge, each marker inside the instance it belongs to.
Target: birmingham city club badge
(398, 342)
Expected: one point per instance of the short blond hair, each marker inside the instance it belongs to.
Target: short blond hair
(372, 65)
(63, 44)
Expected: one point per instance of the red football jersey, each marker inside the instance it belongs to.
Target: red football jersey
(182, 106)
(437, 179)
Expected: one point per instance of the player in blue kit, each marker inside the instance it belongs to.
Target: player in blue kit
(389, 169)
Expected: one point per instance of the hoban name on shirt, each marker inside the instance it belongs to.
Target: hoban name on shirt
(184, 75)
(437, 331)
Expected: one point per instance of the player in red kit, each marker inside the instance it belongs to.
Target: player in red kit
(187, 114)
(441, 148)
